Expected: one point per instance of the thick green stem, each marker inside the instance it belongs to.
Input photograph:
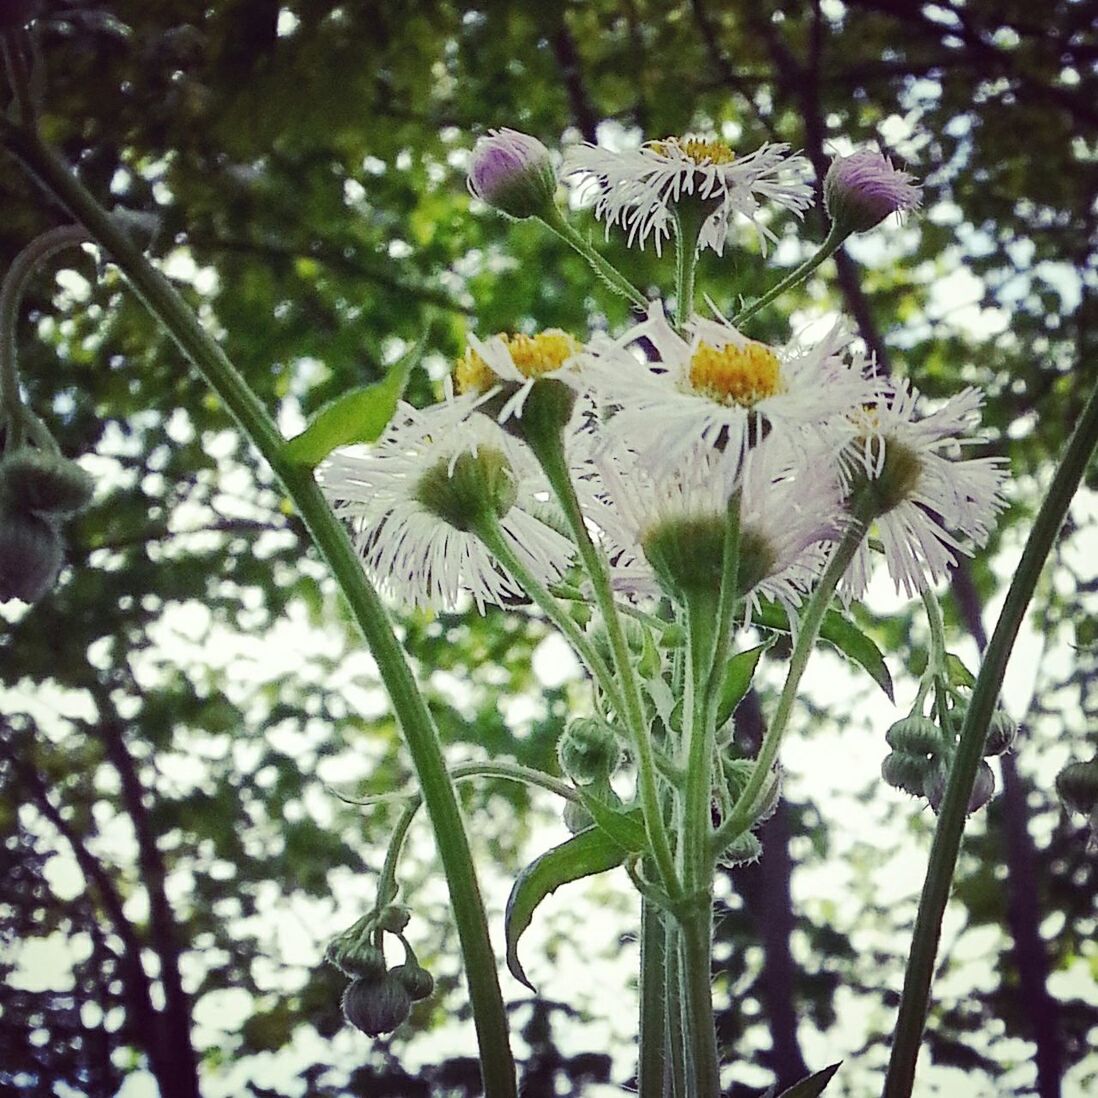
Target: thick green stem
(331, 540)
(557, 222)
(653, 993)
(951, 819)
(697, 943)
(677, 1056)
(749, 802)
(829, 247)
(549, 450)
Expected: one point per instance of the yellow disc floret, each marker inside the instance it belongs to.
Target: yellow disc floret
(736, 375)
(702, 150)
(531, 355)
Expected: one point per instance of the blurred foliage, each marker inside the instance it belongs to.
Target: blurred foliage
(180, 712)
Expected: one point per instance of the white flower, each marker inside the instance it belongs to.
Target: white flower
(787, 511)
(412, 552)
(719, 388)
(637, 188)
(931, 503)
(514, 361)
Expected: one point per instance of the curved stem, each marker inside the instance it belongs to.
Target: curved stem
(829, 247)
(951, 820)
(330, 538)
(549, 450)
(26, 263)
(557, 222)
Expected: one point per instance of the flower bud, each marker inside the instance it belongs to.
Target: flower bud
(983, 788)
(418, 982)
(744, 849)
(906, 772)
(915, 735)
(511, 171)
(1077, 785)
(356, 958)
(393, 918)
(44, 484)
(1001, 733)
(576, 817)
(376, 1006)
(862, 189)
(30, 555)
(588, 751)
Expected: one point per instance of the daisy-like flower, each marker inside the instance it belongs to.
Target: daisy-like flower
(637, 188)
(512, 363)
(663, 530)
(719, 388)
(511, 172)
(862, 189)
(414, 496)
(930, 503)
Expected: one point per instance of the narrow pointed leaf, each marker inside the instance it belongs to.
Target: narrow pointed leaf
(626, 828)
(738, 673)
(959, 675)
(591, 851)
(842, 634)
(812, 1085)
(358, 416)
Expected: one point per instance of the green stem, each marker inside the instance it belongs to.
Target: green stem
(747, 805)
(495, 541)
(689, 216)
(829, 247)
(549, 450)
(677, 1055)
(330, 538)
(701, 1036)
(653, 993)
(22, 269)
(557, 222)
(951, 820)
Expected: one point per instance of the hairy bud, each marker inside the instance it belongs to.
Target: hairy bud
(30, 555)
(588, 751)
(376, 1006)
(418, 982)
(44, 484)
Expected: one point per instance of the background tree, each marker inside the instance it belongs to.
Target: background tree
(180, 712)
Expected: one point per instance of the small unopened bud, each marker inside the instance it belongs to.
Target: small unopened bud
(915, 735)
(576, 817)
(44, 484)
(588, 751)
(30, 555)
(744, 849)
(983, 787)
(393, 918)
(862, 189)
(1001, 734)
(376, 1006)
(1077, 785)
(356, 959)
(418, 982)
(906, 772)
(511, 171)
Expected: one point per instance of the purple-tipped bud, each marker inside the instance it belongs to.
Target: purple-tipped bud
(862, 189)
(30, 556)
(511, 172)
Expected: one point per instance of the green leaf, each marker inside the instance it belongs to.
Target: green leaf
(842, 634)
(812, 1085)
(959, 675)
(591, 851)
(738, 673)
(358, 416)
(626, 828)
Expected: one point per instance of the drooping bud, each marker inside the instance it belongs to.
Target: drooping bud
(588, 751)
(44, 484)
(907, 772)
(1001, 734)
(393, 918)
(1077, 785)
(418, 982)
(511, 171)
(376, 1006)
(862, 189)
(356, 958)
(983, 787)
(915, 735)
(30, 555)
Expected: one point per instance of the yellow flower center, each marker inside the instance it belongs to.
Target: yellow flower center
(736, 375)
(532, 356)
(699, 149)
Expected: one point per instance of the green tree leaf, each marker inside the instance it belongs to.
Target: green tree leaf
(358, 416)
(590, 852)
